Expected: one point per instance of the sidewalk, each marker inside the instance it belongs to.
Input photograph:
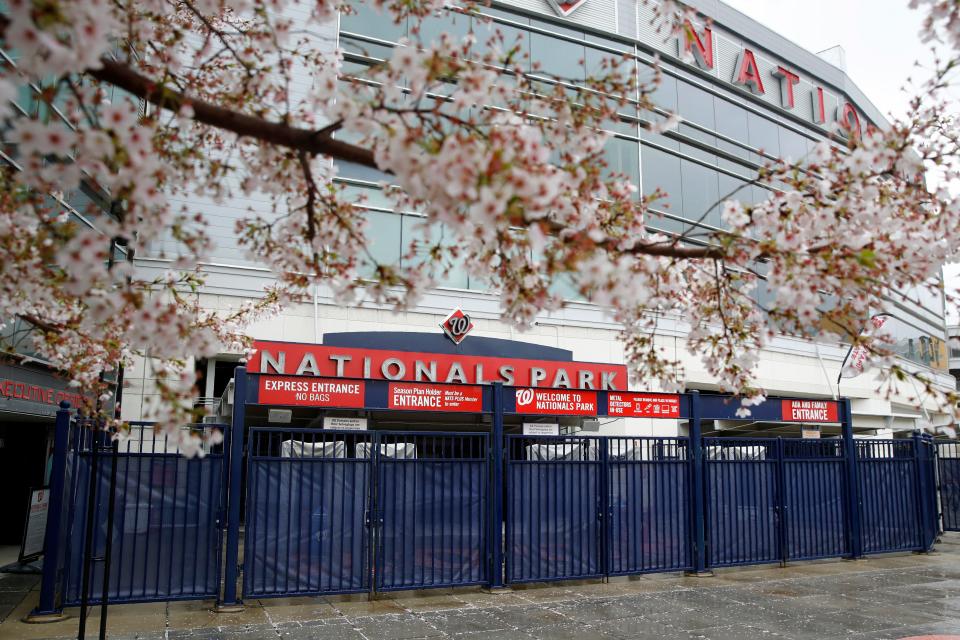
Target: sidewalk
(893, 596)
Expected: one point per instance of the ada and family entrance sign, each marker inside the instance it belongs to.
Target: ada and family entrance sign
(810, 411)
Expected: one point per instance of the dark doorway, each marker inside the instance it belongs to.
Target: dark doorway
(23, 448)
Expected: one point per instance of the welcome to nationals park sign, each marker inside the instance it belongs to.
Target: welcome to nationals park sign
(333, 377)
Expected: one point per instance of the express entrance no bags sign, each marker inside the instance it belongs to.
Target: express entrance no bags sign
(304, 392)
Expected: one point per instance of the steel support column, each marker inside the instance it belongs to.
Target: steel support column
(230, 603)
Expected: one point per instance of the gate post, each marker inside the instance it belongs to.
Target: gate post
(924, 461)
(50, 609)
(854, 535)
(697, 483)
(495, 578)
(230, 603)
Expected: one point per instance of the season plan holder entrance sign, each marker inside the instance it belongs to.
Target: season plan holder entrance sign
(304, 392)
(435, 397)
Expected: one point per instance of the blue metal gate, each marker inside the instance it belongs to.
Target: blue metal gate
(307, 512)
(948, 481)
(890, 500)
(432, 509)
(743, 501)
(588, 506)
(166, 535)
(554, 510)
(648, 484)
(349, 511)
(813, 514)
(774, 500)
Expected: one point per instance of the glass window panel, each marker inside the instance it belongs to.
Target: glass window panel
(457, 25)
(696, 152)
(623, 157)
(763, 134)
(695, 104)
(511, 37)
(662, 170)
(366, 49)
(563, 285)
(557, 57)
(383, 241)
(448, 272)
(665, 95)
(700, 190)
(366, 20)
(730, 189)
(731, 121)
(793, 146)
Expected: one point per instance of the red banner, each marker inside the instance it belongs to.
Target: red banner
(435, 397)
(556, 402)
(377, 364)
(810, 411)
(643, 405)
(306, 392)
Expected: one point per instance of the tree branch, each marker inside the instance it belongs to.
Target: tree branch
(312, 142)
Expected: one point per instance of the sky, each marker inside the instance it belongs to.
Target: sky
(881, 44)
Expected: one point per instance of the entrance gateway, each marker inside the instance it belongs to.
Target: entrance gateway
(385, 461)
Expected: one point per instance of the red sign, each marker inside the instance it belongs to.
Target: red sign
(284, 390)
(556, 402)
(643, 405)
(376, 364)
(809, 411)
(36, 393)
(435, 397)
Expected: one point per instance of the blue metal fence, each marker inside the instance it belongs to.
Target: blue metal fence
(813, 516)
(554, 514)
(890, 500)
(339, 511)
(166, 531)
(649, 496)
(354, 511)
(775, 499)
(308, 510)
(948, 480)
(432, 509)
(742, 495)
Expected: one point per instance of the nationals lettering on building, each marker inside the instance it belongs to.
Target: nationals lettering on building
(305, 392)
(697, 46)
(644, 405)
(435, 397)
(810, 411)
(375, 364)
(558, 403)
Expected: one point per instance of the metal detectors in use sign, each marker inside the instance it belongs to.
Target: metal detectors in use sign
(809, 411)
(306, 392)
(556, 402)
(643, 405)
(435, 397)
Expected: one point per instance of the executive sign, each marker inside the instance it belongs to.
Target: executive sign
(375, 364)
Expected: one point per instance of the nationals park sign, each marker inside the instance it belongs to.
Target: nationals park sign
(286, 358)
